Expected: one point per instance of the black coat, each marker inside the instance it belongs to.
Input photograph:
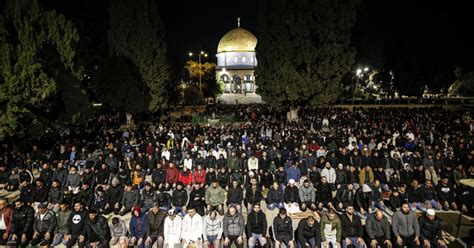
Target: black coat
(282, 228)
(275, 196)
(235, 195)
(115, 194)
(251, 197)
(351, 228)
(179, 198)
(430, 230)
(304, 232)
(257, 223)
(22, 221)
(292, 194)
(98, 230)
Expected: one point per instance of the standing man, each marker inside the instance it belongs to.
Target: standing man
(283, 230)
(156, 219)
(257, 226)
(172, 230)
(378, 230)
(331, 230)
(192, 228)
(405, 227)
(213, 228)
(234, 226)
(352, 230)
(430, 230)
(44, 226)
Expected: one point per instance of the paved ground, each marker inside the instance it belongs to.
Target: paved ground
(240, 98)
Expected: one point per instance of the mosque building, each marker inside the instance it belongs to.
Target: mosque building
(236, 61)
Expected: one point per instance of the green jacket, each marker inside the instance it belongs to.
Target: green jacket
(233, 162)
(215, 196)
(331, 228)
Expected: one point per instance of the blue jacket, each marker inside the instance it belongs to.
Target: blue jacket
(136, 230)
(293, 173)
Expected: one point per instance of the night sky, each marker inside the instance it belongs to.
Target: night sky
(430, 31)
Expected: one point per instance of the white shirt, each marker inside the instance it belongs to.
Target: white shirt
(172, 230)
(188, 162)
(192, 227)
(253, 163)
(3, 225)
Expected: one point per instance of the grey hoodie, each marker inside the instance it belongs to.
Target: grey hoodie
(405, 225)
(307, 194)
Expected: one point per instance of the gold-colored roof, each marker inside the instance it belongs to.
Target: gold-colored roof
(237, 40)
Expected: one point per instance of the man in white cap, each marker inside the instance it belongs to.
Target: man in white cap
(172, 229)
(430, 230)
(292, 198)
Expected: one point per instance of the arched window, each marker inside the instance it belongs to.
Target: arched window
(225, 78)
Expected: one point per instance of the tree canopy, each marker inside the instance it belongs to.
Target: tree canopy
(304, 50)
(137, 33)
(38, 50)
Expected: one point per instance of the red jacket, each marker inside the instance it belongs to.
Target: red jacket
(199, 176)
(186, 179)
(313, 147)
(172, 175)
(7, 213)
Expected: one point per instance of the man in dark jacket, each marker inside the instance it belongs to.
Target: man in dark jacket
(155, 221)
(235, 195)
(179, 198)
(324, 194)
(130, 198)
(430, 230)
(445, 194)
(60, 174)
(283, 230)
(378, 230)
(22, 223)
(197, 198)
(253, 195)
(352, 230)
(275, 197)
(115, 194)
(44, 226)
(46, 175)
(308, 232)
(416, 196)
(257, 226)
(345, 196)
(97, 230)
(40, 192)
(55, 196)
(76, 232)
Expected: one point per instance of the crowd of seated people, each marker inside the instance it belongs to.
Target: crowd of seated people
(214, 185)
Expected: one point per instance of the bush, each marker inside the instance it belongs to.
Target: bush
(193, 97)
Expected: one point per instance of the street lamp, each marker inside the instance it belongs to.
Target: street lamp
(202, 53)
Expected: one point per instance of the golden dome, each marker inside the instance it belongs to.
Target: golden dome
(237, 40)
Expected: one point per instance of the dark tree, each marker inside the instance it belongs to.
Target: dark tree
(137, 33)
(304, 50)
(37, 68)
